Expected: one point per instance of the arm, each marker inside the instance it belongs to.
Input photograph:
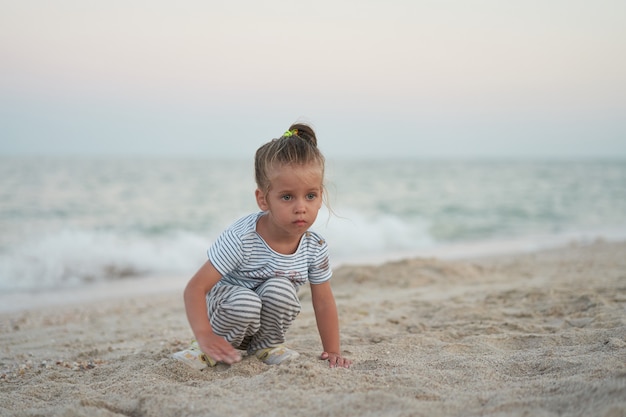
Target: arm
(195, 305)
(328, 324)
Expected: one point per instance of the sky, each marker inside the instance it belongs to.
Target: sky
(393, 78)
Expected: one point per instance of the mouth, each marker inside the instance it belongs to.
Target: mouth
(300, 223)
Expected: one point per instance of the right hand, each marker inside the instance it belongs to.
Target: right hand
(195, 305)
(219, 349)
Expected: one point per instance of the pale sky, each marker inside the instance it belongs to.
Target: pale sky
(440, 78)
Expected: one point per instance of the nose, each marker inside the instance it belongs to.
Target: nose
(300, 206)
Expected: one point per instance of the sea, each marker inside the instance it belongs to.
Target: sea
(89, 222)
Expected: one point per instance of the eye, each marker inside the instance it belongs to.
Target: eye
(311, 196)
(286, 197)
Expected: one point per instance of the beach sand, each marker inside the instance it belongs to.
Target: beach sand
(533, 334)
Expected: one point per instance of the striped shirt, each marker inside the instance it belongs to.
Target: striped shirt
(243, 258)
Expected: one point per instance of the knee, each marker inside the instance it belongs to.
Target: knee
(244, 304)
(280, 291)
(278, 285)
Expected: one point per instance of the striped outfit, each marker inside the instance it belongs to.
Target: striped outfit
(256, 300)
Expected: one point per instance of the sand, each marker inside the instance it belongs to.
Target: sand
(534, 334)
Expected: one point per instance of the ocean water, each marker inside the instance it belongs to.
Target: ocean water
(73, 222)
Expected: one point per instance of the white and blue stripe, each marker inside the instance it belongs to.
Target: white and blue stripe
(256, 300)
(243, 258)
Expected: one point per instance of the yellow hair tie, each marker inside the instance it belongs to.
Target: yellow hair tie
(290, 133)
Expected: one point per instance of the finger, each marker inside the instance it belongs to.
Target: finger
(332, 361)
(225, 353)
(346, 363)
(234, 357)
(216, 355)
(341, 362)
(228, 359)
(230, 355)
(324, 356)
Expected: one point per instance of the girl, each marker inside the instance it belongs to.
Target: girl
(245, 296)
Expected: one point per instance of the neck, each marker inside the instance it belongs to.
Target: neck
(276, 239)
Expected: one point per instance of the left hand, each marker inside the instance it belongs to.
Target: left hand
(335, 360)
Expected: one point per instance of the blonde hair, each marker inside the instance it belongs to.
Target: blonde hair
(297, 146)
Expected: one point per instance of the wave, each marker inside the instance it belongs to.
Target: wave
(354, 234)
(75, 257)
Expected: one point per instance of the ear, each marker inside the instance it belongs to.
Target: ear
(260, 200)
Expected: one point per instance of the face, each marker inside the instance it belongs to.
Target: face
(293, 200)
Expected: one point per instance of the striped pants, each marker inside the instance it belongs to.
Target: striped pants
(253, 319)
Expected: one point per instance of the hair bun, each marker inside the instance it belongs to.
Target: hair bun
(305, 132)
